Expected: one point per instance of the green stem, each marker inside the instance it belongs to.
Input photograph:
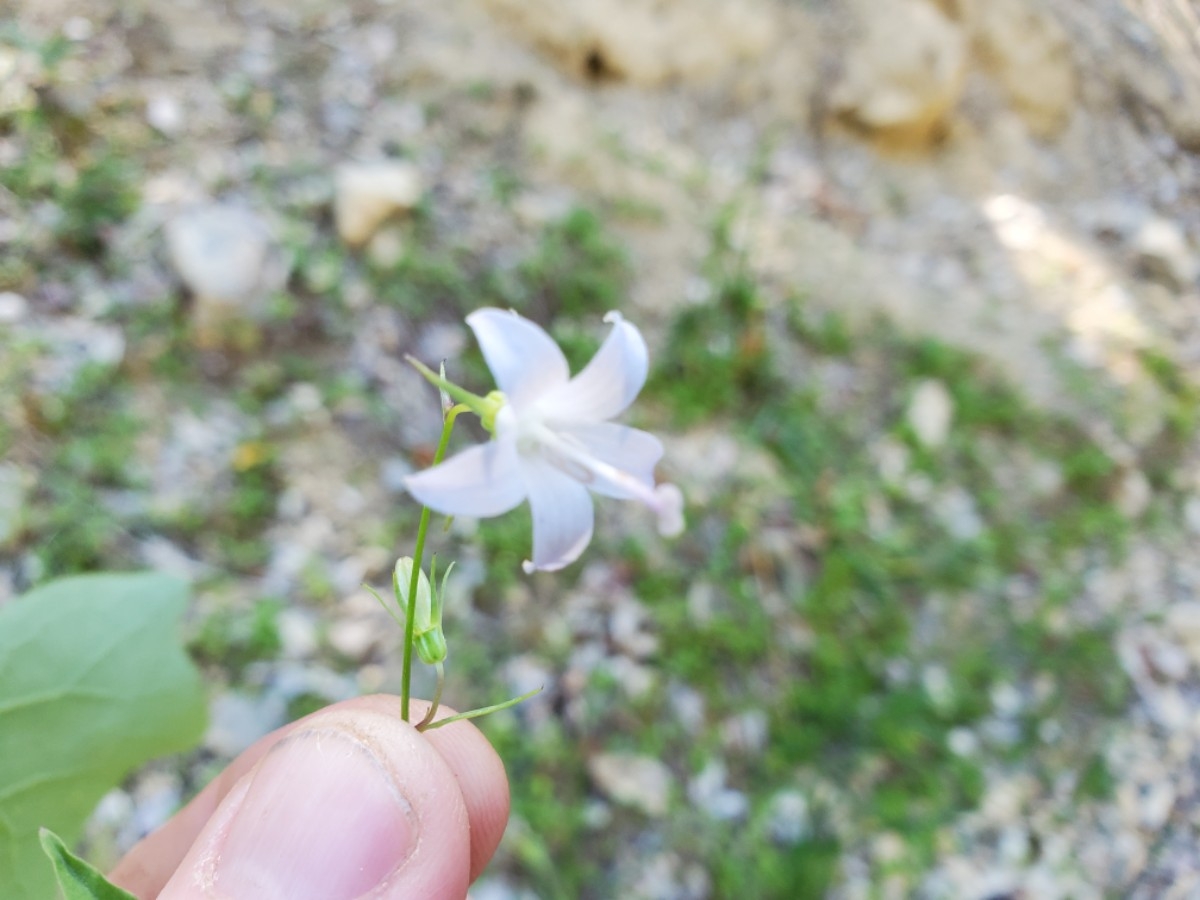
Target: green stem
(418, 557)
(436, 701)
(471, 401)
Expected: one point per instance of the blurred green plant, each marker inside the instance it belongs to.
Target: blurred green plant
(66, 175)
(93, 684)
(849, 682)
(233, 638)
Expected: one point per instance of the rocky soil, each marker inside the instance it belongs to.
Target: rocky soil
(1019, 180)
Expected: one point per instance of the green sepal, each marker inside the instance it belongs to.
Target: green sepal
(431, 646)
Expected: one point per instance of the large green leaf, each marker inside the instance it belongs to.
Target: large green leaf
(93, 683)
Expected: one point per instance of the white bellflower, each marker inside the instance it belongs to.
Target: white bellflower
(552, 441)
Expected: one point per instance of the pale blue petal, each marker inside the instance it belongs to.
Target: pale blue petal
(626, 458)
(524, 360)
(482, 481)
(608, 384)
(562, 515)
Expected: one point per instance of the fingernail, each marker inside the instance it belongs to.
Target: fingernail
(322, 818)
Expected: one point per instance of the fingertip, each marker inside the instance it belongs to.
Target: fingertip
(478, 770)
(459, 759)
(353, 803)
(483, 782)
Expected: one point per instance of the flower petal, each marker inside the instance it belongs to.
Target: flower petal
(524, 360)
(670, 510)
(482, 481)
(608, 383)
(562, 515)
(628, 458)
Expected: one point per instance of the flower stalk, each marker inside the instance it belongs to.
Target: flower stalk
(419, 556)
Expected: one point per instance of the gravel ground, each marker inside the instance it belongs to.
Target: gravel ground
(222, 226)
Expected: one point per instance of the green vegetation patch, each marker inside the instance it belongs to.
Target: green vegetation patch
(70, 182)
(874, 631)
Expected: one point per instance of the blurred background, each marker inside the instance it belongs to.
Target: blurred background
(921, 283)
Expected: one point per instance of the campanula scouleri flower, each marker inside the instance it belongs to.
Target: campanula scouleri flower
(553, 443)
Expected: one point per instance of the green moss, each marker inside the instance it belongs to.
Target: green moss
(63, 161)
(88, 433)
(717, 360)
(577, 271)
(1096, 781)
(234, 638)
(834, 701)
(762, 869)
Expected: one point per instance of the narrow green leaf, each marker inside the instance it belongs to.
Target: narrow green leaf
(93, 683)
(482, 711)
(79, 879)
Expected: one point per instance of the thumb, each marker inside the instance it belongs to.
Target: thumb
(353, 803)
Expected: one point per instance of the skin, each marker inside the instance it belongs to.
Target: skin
(451, 779)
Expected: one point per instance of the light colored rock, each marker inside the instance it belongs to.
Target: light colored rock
(1164, 254)
(526, 673)
(665, 876)
(709, 461)
(165, 114)
(708, 792)
(386, 247)
(156, 797)
(938, 686)
(645, 42)
(628, 626)
(955, 508)
(687, 707)
(746, 732)
(1029, 55)
(162, 555)
(1167, 658)
(237, 720)
(355, 638)
(72, 343)
(1182, 623)
(367, 194)
(640, 782)
(1154, 802)
(13, 308)
(289, 680)
(789, 818)
(195, 458)
(1156, 65)
(1007, 700)
(1134, 494)
(931, 412)
(227, 258)
(297, 633)
(891, 457)
(1183, 619)
(904, 73)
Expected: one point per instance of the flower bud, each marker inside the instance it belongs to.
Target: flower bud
(401, 582)
(428, 639)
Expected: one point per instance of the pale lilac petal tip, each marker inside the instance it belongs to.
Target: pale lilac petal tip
(609, 382)
(626, 456)
(670, 510)
(481, 481)
(563, 516)
(524, 360)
